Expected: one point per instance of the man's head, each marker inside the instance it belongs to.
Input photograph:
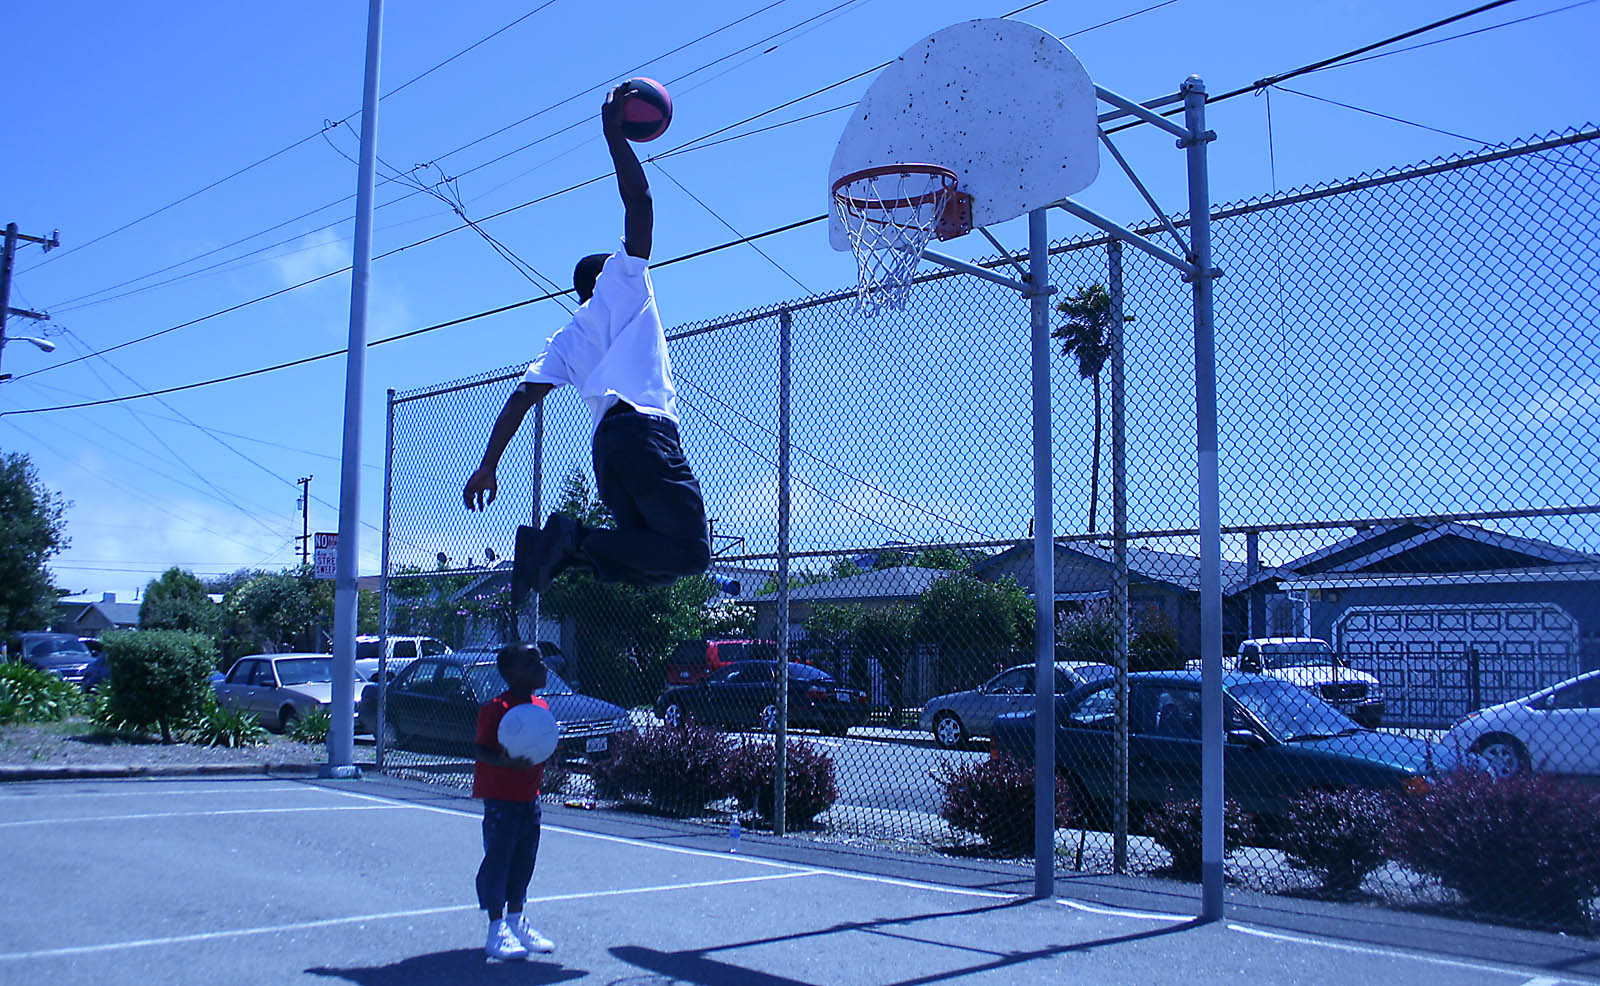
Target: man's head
(522, 666)
(583, 275)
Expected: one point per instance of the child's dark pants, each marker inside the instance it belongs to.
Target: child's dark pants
(510, 847)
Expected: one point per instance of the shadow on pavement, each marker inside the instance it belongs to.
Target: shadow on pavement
(698, 967)
(462, 965)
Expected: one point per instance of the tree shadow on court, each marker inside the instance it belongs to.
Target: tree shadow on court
(701, 967)
(461, 965)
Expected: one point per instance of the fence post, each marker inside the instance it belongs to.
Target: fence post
(383, 582)
(531, 630)
(1119, 578)
(780, 794)
(1205, 392)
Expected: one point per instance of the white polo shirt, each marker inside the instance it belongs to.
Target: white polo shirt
(614, 347)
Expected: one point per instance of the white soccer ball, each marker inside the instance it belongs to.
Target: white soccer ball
(529, 731)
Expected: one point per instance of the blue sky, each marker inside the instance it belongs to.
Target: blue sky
(123, 110)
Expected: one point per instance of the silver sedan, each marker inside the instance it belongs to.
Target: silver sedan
(279, 689)
(954, 717)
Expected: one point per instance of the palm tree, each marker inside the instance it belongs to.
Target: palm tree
(1086, 334)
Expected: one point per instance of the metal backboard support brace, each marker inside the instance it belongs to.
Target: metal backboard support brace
(1196, 268)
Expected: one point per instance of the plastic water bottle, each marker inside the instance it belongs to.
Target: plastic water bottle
(733, 833)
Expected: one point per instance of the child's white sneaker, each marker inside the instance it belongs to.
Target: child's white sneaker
(528, 936)
(502, 943)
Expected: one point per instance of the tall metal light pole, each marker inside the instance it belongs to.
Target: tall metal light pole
(341, 731)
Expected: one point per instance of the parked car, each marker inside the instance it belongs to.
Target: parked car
(433, 707)
(1556, 729)
(693, 660)
(62, 654)
(744, 695)
(279, 689)
(954, 717)
(1311, 663)
(1281, 740)
(401, 652)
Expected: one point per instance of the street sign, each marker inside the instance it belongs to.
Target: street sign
(326, 557)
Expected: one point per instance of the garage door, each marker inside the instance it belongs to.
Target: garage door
(1423, 654)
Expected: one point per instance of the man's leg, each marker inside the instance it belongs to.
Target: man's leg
(645, 480)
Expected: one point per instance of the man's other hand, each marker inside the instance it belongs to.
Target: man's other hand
(481, 489)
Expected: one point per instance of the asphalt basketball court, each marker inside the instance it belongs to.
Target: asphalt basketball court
(276, 880)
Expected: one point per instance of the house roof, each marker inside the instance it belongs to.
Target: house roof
(117, 614)
(1379, 580)
(1144, 564)
(1439, 547)
(889, 583)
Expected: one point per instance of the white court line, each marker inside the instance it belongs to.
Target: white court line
(46, 953)
(1117, 912)
(193, 814)
(25, 798)
(707, 854)
(1390, 953)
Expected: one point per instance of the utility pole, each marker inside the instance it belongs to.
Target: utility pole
(305, 520)
(6, 260)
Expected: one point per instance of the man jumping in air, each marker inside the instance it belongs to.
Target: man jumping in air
(615, 352)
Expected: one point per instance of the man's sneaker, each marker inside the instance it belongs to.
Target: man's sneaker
(528, 936)
(524, 560)
(503, 943)
(557, 544)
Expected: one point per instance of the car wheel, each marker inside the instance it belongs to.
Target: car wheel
(1504, 754)
(287, 717)
(391, 735)
(768, 720)
(672, 716)
(948, 731)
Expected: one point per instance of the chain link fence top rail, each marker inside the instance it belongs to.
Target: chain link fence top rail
(1408, 408)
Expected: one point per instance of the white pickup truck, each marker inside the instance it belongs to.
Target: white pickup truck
(1311, 664)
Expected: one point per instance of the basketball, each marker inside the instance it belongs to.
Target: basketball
(529, 731)
(646, 110)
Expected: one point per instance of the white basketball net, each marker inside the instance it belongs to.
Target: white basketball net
(891, 214)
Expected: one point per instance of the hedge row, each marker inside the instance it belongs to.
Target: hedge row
(680, 770)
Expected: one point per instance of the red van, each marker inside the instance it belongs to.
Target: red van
(692, 660)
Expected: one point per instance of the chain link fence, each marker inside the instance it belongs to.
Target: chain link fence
(1408, 407)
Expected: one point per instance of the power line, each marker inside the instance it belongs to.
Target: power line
(1465, 34)
(394, 338)
(1384, 116)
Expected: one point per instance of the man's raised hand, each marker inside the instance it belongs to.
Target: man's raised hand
(481, 488)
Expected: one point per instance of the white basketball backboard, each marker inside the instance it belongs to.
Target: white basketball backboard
(1003, 104)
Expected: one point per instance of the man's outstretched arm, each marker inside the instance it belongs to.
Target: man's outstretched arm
(638, 225)
(482, 486)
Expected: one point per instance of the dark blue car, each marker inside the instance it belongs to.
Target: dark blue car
(1282, 740)
(433, 707)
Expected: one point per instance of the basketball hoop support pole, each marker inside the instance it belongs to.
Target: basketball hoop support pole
(1044, 577)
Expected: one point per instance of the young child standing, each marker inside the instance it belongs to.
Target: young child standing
(509, 787)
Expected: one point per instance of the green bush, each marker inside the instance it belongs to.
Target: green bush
(993, 800)
(1175, 827)
(28, 694)
(312, 727)
(1337, 835)
(1526, 846)
(103, 713)
(677, 770)
(162, 676)
(217, 726)
(809, 785)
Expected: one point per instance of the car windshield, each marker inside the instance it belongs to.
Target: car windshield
(58, 650)
(805, 672)
(487, 683)
(1290, 712)
(1298, 654)
(746, 650)
(303, 670)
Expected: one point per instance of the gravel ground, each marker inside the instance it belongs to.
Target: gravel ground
(75, 743)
